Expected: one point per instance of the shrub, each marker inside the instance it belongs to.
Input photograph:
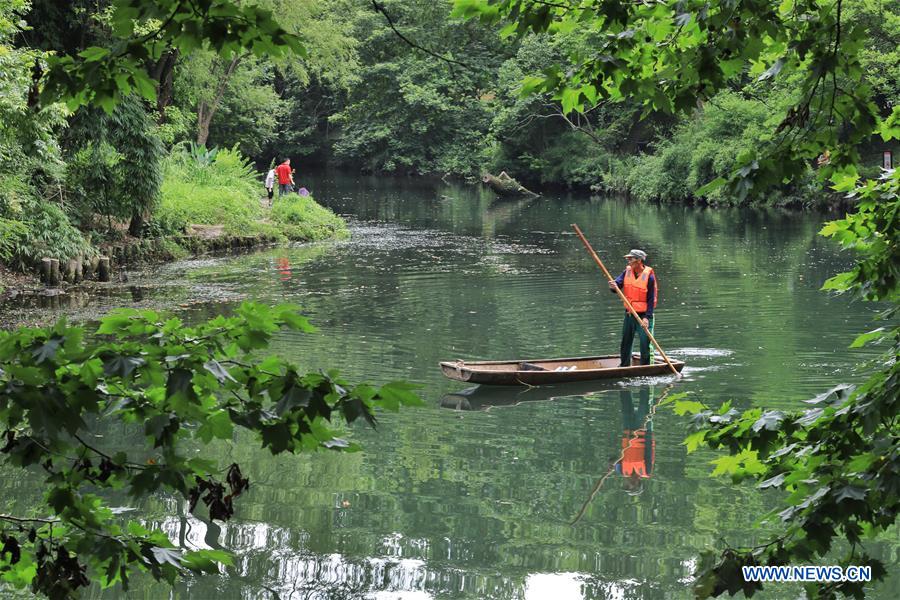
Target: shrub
(212, 190)
(114, 163)
(11, 232)
(302, 218)
(49, 233)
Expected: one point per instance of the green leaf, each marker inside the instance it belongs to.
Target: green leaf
(93, 53)
(570, 99)
(694, 441)
(844, 180)
(115, 322)
(865, 338)
(683, 407)
(889, 129)
(711, 186)
(206, 561)
(398, 393)
(144, 84)
(840, 282)
(217, 424)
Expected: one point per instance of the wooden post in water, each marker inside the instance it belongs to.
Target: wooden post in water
(70, 270)
(103, 268)
(79, 266)
(94, 264)
(45, 270)
(53, 280)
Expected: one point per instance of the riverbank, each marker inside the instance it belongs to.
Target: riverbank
(290, 219)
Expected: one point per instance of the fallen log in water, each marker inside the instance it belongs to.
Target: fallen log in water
(505, 185)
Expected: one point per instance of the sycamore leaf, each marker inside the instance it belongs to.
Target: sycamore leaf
(769, 420)
(122, 366)
(179, 384)
(683, 407)
(773, 481)
(711, 186)
(167, 556)
(772, 71)
(218, 371)
(47, 351)
(294, 396)
(851, 492)
(863, 339)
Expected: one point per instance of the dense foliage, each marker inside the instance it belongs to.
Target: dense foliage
(177, 388)
(73, 177)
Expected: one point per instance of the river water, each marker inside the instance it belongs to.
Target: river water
(475, 494)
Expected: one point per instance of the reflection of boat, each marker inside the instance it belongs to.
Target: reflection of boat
(554, 370)
(482, 397)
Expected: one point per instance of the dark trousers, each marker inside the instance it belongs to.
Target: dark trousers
(629, 327)
(284, 188)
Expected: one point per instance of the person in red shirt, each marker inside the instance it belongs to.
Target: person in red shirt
(285, 178)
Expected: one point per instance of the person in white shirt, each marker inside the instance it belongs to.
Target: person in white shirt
(270, 184)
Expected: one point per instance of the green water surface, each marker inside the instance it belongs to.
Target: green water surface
(473, 495)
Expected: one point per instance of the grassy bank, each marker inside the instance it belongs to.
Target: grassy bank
(220, 188)
(209, 201)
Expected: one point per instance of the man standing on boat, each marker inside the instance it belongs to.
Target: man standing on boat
(638, 284)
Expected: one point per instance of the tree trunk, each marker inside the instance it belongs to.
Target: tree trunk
(205, 111)
(162, 73)
(136, 226)
(504, 185)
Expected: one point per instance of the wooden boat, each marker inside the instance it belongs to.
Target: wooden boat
(487, 397)
(554, 370)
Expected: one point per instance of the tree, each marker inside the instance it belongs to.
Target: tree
(176, 387)
(132, 37)
(243, 84)
(418, 112)
(670, 57)
(114, 168)
(840, 460)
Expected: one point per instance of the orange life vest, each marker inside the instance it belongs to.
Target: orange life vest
(635, 289)
(634, 458)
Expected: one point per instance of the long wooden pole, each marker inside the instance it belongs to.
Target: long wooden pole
(624, 299)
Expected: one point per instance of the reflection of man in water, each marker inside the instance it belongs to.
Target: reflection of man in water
(284, 268)
(638, 446)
